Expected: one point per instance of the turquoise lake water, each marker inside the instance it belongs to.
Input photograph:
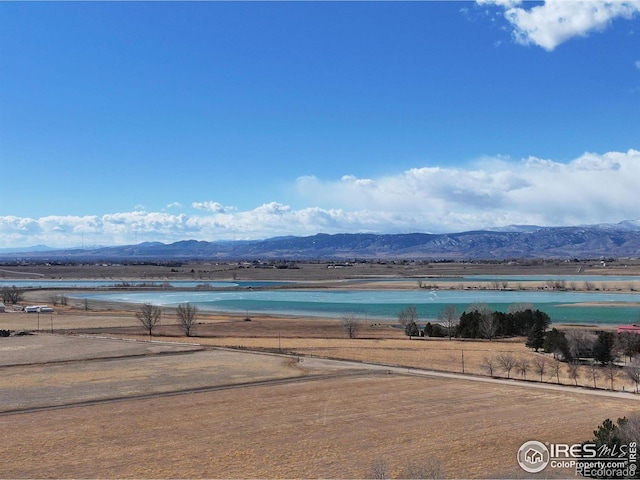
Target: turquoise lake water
(562, 307)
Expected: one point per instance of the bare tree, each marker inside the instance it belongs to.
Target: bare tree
(449, 317)
(574, 371)
(432, 469)
(519, 307)
(522, 367)
(579, 342)
(149, 316)
(630, 430)
(187, 315)
(555, 369)
(435, 470)
(611, 372)
(59, 299)
(632, 370)
(407, 316)
(379, 470)
(627, 344)
(540, 366)
(506, 362)
(407, 319)
(489, 365)
(595, 373)
(488, 325)
(350, 325)
(12, 294)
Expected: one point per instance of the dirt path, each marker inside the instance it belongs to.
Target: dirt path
(310, 362)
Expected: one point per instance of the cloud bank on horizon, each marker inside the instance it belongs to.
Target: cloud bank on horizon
(495, 192)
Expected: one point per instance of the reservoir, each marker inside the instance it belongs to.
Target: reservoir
(576, 307)
(562, 306)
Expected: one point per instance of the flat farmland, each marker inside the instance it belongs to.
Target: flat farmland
(44, 371)
(201, 413)
(311, 271)
(376, 342)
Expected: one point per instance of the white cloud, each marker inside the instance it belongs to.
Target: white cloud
(556, 21)
(593, 188)
(500, 3)
(637, 64)
(211, 206)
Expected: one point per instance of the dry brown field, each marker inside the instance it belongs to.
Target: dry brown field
(198, 414)
(377, 342)
(90, 396)
(315, 271)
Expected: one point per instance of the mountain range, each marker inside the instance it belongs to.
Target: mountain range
(620, 240)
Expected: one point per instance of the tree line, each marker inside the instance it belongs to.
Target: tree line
(149, 316)
(603, 347)
(479, 321)
(11, 294)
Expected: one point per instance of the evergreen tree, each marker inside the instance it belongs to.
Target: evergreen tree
(469, 326)
(501, 325)
(613, 437)
(608, 433)
(541, 318)
(412, 329)
(555, 342)
(535, 339)
(428, 330)
(603, 348)
(438, 331)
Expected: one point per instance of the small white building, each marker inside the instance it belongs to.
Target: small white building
(38, 309)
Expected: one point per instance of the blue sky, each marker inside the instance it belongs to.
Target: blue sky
(123, 122)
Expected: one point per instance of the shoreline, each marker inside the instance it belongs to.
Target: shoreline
(376, 277)
(119, 310)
